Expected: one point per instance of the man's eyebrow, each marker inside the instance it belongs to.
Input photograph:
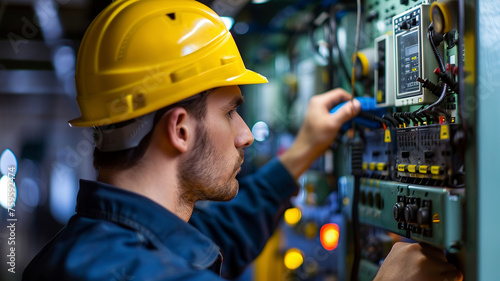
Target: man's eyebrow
(237, 101)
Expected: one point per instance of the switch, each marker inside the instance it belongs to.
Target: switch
(398, 211)
(404, 25)
(370, 199)
(378, 201)
(410, 212)
(373, 15)
(424, 217)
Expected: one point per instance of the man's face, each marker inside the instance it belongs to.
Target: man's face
(208, 171)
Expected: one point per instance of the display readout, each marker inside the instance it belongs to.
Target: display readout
(409, 63)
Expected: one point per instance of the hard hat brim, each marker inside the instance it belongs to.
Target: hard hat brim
(247, 78)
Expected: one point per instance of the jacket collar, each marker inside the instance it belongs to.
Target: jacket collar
(164, 229)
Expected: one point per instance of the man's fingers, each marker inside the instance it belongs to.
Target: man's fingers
(331, 98)
(346, 112)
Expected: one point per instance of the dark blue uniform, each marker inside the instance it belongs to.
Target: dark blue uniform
(120, 235)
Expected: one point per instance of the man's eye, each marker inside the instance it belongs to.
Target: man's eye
(230, 113)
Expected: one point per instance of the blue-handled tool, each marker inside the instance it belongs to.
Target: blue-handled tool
(368, 106)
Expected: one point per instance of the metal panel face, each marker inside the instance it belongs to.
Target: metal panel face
(426, 214)
(488, 134)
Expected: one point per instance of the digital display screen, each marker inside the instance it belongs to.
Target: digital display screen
(408, 64)
(411, 50)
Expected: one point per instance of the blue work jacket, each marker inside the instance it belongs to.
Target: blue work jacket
(120, 235)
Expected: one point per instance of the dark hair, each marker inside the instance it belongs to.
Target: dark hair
(127, 158)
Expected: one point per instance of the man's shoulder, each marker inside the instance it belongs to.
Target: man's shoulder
(86, 237)
(91, 245)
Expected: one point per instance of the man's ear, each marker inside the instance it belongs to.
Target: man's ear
(179, 129)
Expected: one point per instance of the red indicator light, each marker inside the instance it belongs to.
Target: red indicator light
(329, 236)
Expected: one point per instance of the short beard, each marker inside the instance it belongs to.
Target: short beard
(198, 173)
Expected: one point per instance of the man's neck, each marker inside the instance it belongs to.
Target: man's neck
(153, 183)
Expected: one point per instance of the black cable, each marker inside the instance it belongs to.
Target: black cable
(382, 121)
(415, 116)
(430, 33)
(391, 119)
(397, 117)
(334, 9)
(411, 116)
(441, 99)
(427, 117)
(369, 116)
(401, 119)
(442, 69)
(403, 116)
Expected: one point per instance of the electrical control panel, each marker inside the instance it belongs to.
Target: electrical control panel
(413, 56)
(412, 178)
(398, 168)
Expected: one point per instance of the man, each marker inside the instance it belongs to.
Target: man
(158, 80)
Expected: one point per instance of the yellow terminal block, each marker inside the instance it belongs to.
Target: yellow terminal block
(444, 134)
(387, 137)
(381, 166)
(422, 169)
(365, 166)
(412, 168)
(401, 167)
(373, 165)
(435, 170)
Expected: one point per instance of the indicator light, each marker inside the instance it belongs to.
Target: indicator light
(329, 236)
(293, 258)
(292, 216)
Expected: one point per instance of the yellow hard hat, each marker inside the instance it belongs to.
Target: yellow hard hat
(138, 56)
